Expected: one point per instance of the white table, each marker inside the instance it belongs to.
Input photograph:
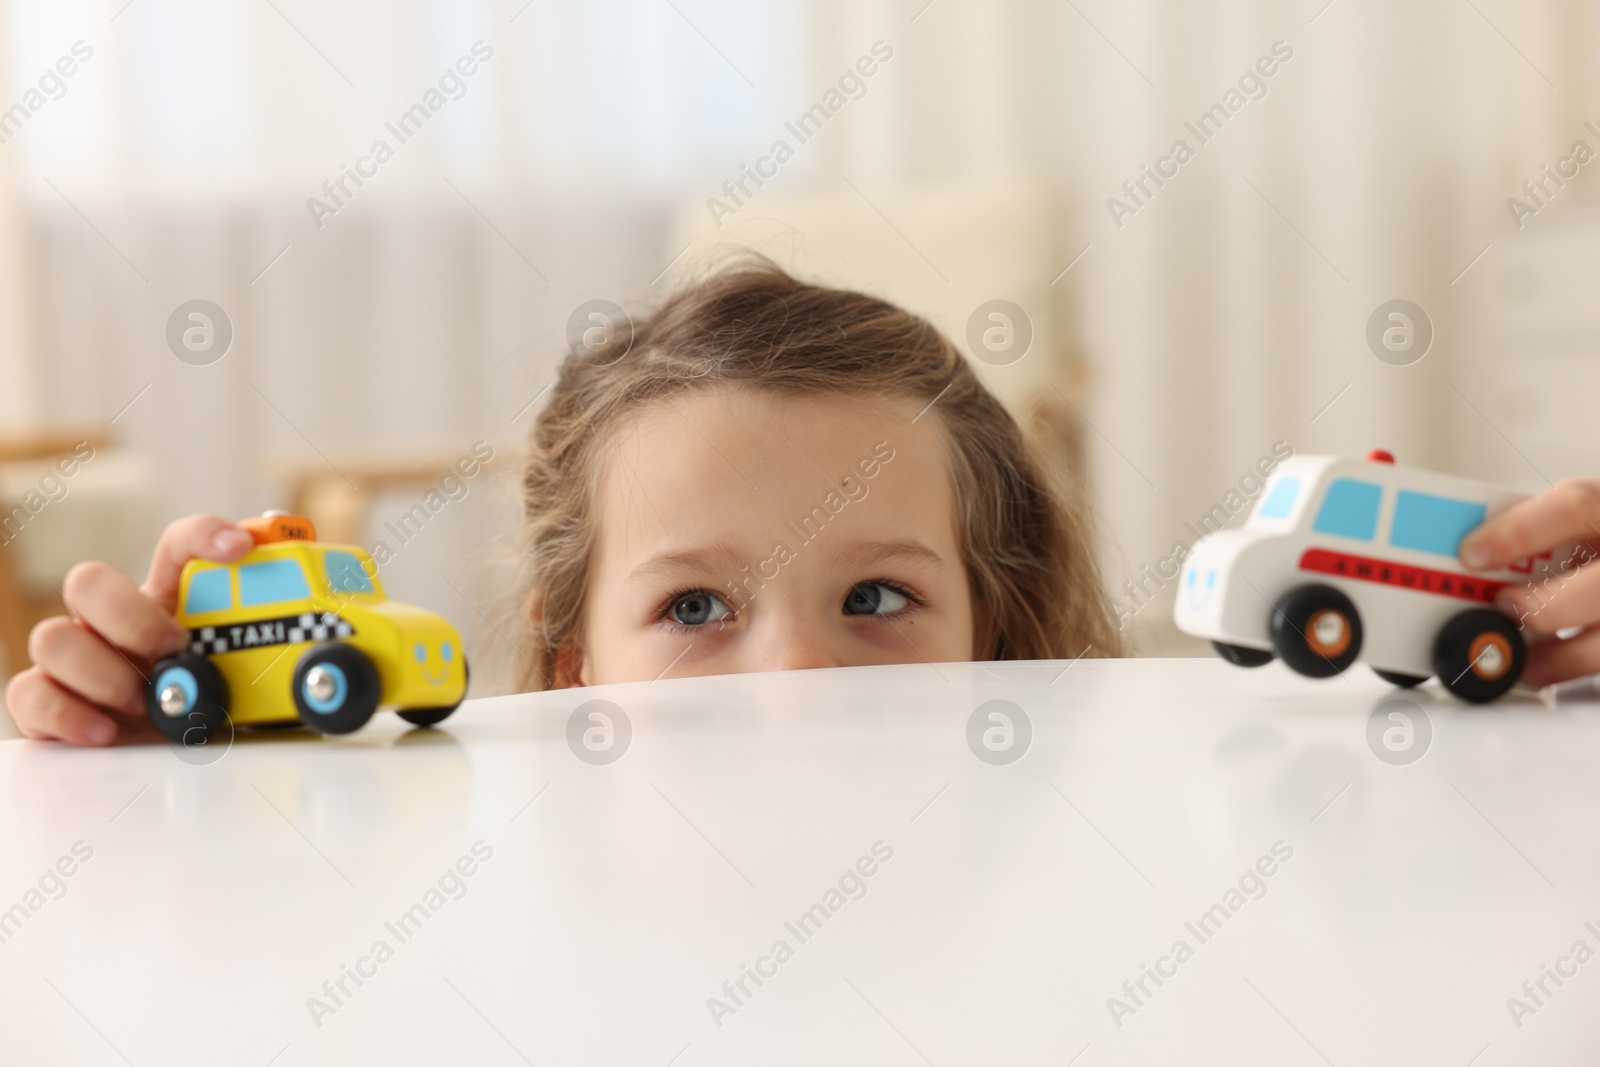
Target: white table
(1019, 897)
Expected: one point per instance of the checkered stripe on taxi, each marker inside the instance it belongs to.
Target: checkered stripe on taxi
(287, 630)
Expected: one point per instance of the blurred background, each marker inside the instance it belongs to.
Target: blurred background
(945, 154)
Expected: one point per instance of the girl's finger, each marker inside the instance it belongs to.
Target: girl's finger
(196, 536)
(43, 709)
(81, 661)
(110, 604)
(1568, 512)
(1550, 662)
(1554, 603)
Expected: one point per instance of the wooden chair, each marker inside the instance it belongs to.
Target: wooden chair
(337, 492)
(21, 605)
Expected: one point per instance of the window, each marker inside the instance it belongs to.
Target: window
(271, 581)
(208, 591)
(1350, 509)
(1433, 523)
(1281, 499)
(345, 573)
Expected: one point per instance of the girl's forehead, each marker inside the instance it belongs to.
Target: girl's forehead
(761, 425)
(743, 463)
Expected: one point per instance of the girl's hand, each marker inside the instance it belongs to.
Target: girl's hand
(1567, 514)
(88, 677)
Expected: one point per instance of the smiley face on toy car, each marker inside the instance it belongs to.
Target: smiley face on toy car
(1197, 587)
(444, 653)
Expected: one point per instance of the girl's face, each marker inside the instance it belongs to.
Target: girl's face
(741, 531)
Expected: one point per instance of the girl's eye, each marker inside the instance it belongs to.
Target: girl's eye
(874, 598)
(697, 609)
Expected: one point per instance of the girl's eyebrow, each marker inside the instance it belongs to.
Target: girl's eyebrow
(865, 553)
(721, 559)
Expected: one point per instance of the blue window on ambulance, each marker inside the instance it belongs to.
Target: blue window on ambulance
(208, 591)
(345, 573)
(271, 581)
(1279, 502)
(1433, 523)
(1350, 509)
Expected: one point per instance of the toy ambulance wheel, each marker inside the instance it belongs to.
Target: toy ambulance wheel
(1478, 655)
(1404, 681)
(335, 688)
(432, 716)
(187, 699)
(1240, 656)
(1316, 630)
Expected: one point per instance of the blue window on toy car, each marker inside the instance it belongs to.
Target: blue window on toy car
(1350, 509)
(208, 591)
(1433, 523)
(271, 581)
(1279, 502)
(345, 573)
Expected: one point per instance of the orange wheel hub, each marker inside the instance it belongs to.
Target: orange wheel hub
(1490, 656)
(1328, 633)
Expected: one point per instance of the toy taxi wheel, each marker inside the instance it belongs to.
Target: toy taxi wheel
(1240, 656)
(335, 688)
(433, 716)
(427, 716)
(1404, 681)
(1479, 655)
(186, 698)
(1316, 630)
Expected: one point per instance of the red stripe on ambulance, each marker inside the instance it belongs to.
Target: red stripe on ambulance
(1421, 579)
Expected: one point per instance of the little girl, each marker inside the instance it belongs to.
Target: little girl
(764, 475)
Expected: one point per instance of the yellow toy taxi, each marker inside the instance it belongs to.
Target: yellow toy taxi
(295, 630)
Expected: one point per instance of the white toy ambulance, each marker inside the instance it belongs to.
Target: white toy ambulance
(1347, 559)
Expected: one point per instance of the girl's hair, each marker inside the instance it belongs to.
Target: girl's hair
(1027, 544)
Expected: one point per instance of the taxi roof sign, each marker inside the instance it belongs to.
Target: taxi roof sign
(273, 526)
